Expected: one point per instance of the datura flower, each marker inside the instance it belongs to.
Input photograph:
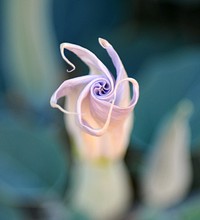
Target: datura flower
(98, 106)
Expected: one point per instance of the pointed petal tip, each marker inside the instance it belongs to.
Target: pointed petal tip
(53, 101)
(52, 104)
(65, 46)
(104, 43)
(62, 45)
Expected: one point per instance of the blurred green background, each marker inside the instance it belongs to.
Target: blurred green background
(159, 44)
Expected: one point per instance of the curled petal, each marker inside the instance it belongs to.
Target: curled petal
(121, 73)
(120, 70)
(66, 88)
(105, 111)
(90, 59)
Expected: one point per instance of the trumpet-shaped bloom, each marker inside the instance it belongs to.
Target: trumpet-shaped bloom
(98, 105)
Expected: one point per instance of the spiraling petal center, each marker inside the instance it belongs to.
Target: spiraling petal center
(101, 88)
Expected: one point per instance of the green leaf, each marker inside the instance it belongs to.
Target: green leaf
(9, 213)
(164, 81)
(33, 164)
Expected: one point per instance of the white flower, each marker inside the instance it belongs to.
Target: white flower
(99, 107)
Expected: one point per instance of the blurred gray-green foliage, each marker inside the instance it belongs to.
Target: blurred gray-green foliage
(170, 78)
(32, 163)
(159, 44)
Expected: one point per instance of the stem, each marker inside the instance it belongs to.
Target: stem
(101, 190)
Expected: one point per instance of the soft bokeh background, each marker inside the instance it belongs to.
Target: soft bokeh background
(159, 44)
